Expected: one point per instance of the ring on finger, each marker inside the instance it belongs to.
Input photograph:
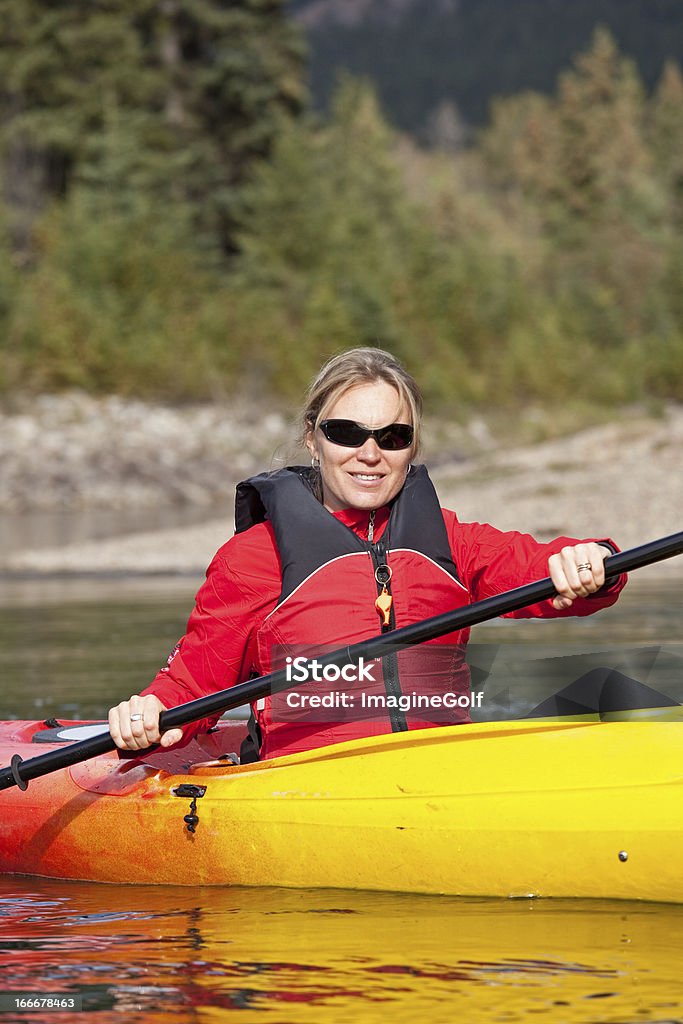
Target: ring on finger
(585, 567)
(136, 718)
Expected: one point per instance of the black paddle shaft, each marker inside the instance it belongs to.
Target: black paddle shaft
(20, 772)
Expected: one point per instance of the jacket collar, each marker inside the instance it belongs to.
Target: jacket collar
(358, 520)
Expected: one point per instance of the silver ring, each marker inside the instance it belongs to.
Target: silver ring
(584, 565)
(136, 718)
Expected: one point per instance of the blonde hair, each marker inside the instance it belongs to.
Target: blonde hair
(360, 366)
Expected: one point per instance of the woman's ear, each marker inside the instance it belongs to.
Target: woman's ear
(309, 440)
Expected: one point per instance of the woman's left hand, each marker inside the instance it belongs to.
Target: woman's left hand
(577, 572)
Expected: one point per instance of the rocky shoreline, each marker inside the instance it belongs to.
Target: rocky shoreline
(622, 479)
(75, 451)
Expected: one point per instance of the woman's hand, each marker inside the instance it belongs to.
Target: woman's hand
(577, 572)
(134, 724)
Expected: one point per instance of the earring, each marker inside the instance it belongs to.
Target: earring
(315, 463)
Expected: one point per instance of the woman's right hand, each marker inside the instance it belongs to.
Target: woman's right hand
(134, 724)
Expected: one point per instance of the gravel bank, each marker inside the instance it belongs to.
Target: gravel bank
(624, 479)
(74, 451)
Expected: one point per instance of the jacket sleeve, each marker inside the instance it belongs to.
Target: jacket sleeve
(491, 561)
(218, 649)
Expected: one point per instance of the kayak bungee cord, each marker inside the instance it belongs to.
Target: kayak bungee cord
(20, 772)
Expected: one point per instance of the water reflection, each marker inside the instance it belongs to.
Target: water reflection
(178, 954)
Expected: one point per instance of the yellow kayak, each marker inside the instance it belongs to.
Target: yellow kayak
(542, 808)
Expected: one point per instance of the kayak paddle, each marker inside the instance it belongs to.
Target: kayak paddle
(20, 772)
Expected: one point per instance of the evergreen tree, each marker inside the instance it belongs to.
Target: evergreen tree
(581, 177)
(605, 165)
(336, 252)
(666, 132)
(325, 232)
(582, 155)
(174, 99)
(58, 65)
(230, 70)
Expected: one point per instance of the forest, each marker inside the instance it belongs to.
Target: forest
(178, 222)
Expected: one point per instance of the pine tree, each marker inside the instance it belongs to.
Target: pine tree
(326, 235)
(582, 156)
(231, 69)
(666, 131)
(605, 165)
(174, 99)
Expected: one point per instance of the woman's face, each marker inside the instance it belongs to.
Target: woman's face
(366, 477)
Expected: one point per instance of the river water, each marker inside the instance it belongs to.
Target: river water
(69, 649)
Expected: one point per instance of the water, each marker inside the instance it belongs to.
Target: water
(72, 648)
(152, 954)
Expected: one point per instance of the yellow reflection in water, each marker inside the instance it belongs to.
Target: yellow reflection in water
(165, 954)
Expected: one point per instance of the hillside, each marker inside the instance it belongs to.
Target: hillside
(427, 56)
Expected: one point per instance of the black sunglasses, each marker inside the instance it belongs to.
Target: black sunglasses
(352, 435)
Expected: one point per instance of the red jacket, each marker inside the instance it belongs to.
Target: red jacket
(262, 599)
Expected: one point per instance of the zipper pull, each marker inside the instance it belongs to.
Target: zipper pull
(371, 527)
(383, 605)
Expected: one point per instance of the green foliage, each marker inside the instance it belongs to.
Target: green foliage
(115, 299)
(582, 156)
(665, 136)
(582, 168)
(172, 100)
(324, 234)
(338, 254)
(542, 264)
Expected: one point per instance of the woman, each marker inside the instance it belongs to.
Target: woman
(327, 556)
